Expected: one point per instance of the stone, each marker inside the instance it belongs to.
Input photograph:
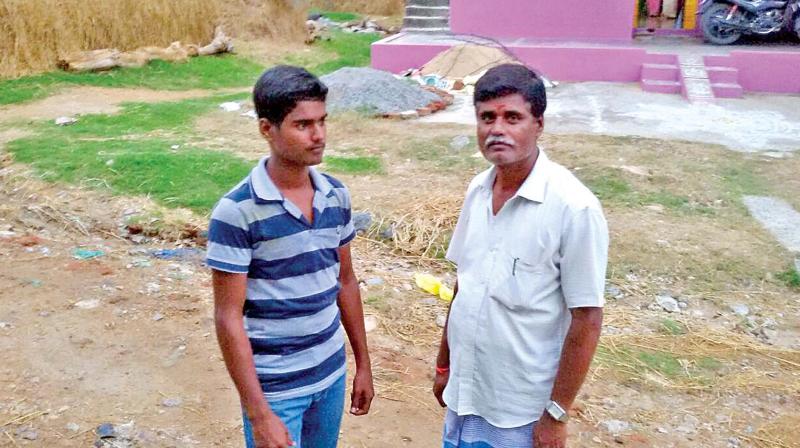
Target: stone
(171, 402)
(73, 427)
(689, 425)
(27, 433)
(614, 292)
(615, 426)
(87, 304)
(230, 106)
(459, 142)
(387, 233)
(740, 309)
(374, 281)
(370, 323)
(668, 303)
(158, 316)
(441, 320)
(362, 221)
(65, 121)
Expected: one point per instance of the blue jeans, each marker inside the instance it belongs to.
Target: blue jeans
(312, 420)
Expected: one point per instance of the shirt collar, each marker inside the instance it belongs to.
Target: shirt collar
(534, 186)
(264, 188)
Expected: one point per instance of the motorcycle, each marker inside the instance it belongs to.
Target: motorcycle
(725, 21)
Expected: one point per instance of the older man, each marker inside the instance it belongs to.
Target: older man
(531, 246)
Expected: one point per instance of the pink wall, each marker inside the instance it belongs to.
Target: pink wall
(761, 71)
(544, 19)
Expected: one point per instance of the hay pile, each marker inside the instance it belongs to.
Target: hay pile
(39, 32)
(373, 91)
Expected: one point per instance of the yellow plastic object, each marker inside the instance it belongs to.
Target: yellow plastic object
(445, 293)
(428, 283)
(690, 15)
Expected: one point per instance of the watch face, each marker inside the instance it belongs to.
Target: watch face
(556, 412)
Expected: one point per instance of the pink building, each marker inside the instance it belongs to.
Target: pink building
(587, 40)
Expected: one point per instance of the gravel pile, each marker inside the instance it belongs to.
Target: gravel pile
(373, 91)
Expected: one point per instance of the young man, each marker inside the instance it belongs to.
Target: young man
(531, 248)
(283, 278)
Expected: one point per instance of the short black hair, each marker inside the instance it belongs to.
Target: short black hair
(508, 79)
(279, 89)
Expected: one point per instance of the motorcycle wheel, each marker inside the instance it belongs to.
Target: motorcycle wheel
(712, 31)
(797, 26)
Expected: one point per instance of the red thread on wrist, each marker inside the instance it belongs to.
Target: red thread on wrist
(442, 370)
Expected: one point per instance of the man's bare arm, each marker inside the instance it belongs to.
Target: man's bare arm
(353, 321)
(443, 358)
(576, 357)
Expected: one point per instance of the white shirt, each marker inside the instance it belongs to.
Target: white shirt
(519, 272)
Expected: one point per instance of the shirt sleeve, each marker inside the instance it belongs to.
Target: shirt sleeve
(584, 257)
(229, 243)
(348, 230)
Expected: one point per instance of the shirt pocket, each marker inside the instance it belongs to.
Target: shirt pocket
(515, 280)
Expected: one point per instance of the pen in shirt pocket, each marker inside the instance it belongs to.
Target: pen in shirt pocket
(514, 267)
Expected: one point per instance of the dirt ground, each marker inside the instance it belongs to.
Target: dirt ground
(128, 337)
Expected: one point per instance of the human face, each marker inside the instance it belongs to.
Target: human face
(300, 138)
(508, 131)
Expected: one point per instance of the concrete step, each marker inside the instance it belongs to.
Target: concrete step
(727, 90)
(725, 75)
(428, 3)
(427, 30)
(661, 58)
(428, 11)
(697, 90)
(660, 72)
(660, 86)
(426, 22)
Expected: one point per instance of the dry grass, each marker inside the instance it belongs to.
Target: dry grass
(380, 7)
(37, 32)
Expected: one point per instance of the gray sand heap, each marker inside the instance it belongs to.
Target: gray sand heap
(373, 91)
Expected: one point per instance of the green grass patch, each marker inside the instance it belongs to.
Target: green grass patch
(337, 16)
(671, 327)
(354, 165)
(663, 363)
(740, 181)
(194, 178)
(209, 72)
(790, 277)
(610, 186)
(641, 365)
(342, 50)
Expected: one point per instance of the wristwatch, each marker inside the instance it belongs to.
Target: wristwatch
(556, 411)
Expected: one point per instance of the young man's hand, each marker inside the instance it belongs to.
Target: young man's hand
(271, 433)
(439, 383)
(549, 433)
(363, 392)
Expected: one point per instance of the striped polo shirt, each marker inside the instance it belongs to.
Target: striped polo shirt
(290, 313)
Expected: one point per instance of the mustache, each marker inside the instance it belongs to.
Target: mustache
(499, 139)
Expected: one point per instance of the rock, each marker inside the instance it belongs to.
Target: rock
(65, 121)
(158, 316)
(370, 323)
(171, 402)
(615, 426)
(230, 106)
(387, 233)
(683, 305)
(105, 431)
(251, 114)
(407, 287)
(734, 442)
(4, 325)
(87, 304)
(441, 320)
(668, 303)
(740, 309)
(152, 288)
(27, 433)
(614, 292)
(362, 221)
(73, 427)
(459, 142)
(689, 425)
(374, 281)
